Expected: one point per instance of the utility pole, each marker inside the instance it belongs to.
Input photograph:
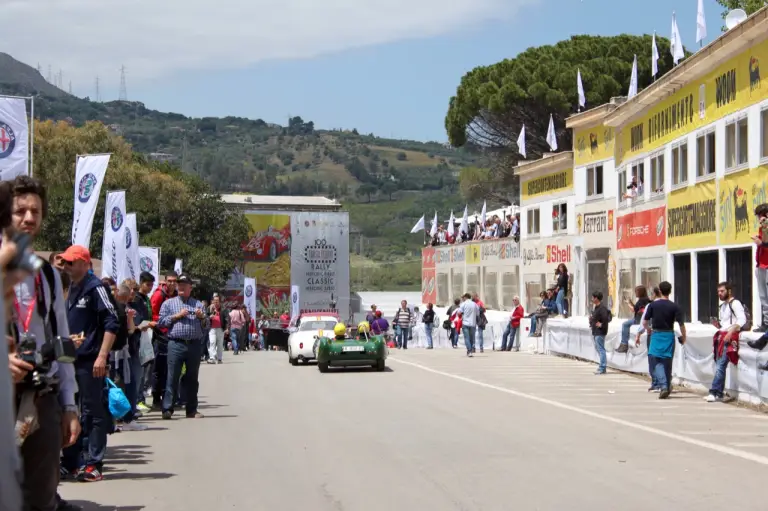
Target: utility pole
(98, 92)
(123, 89)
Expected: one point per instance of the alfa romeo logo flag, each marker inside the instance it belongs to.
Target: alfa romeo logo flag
(14, 138)
(131, 268)
(177, 266)
(249, 296)
(294, 302)
(89, 175)
(149, 260)
(113, 249)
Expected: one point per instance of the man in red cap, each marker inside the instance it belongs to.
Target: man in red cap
(90, 311)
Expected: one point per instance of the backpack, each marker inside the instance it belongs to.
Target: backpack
(748, 325)
(610, 315)
(482, 321)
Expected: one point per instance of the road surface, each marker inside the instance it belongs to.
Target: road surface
(437, 431)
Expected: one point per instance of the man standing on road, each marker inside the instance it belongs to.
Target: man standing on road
(402, 325)
(470, 312)
(90, 311)
(598, 321)
(726, 340)
(429, 323)
(185, 319)
(236, 323)
(481, 321)
(159, 339)
(660, 316)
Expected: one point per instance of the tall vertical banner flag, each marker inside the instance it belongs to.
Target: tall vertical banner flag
(676, 42)
(633, 80)
(131, 268)
(149, 261)
(580, 89)
(14, 138)
(249, 296)
(89, 175)
(551, 137)
(521, 141)
(701, 23)
(113, 249)
(177, 266)
(654, 57)
(295, 302)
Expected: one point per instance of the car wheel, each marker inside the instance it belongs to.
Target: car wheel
(380, 365)
(323, 367)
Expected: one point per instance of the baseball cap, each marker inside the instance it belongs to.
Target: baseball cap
(76, 253)
(184, 279)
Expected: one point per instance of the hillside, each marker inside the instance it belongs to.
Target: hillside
(381, 180)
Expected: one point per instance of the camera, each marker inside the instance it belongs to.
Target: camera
(25, 258)
(58, 349)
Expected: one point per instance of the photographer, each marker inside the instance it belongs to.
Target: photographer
(39, 316)
(90, 312)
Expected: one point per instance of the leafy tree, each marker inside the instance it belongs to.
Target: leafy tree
(366, 190)
(493, 102)
(750, 6)
(388, 188)
(402, 156)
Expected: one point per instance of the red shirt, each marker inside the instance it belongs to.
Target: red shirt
(216, 319)
(517, 315)
(762, 250)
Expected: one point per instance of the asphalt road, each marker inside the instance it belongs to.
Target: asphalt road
(437, 431)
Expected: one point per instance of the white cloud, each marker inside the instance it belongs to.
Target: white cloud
(151, 38)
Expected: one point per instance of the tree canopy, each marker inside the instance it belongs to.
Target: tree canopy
(749, 6)
(493, 102)
(174, 211)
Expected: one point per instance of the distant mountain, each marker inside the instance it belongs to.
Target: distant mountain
(21, 79)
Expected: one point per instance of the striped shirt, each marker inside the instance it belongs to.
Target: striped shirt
(403, 318)
(189, 328)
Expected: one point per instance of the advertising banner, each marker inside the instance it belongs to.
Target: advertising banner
(131, 267)
(595, 222)
(89, 175)
(149, 261)
(692, 217)
(428, 286)
(249, 296)
(592, 145)
(295, 310)
(473, 253)
(14, 138)
(320, 260)
(113, 248)
(501, 251)
(428, 257)
(545, 257)
(739, 195)
(553, 182)
(641, 229)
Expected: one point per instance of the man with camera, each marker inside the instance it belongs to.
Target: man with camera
(90, 311)
(45, 386)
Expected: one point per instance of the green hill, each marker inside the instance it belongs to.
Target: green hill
(386, 184)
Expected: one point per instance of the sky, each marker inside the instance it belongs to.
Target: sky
(383, 66)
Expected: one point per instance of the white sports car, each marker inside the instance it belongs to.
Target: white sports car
(301, 342)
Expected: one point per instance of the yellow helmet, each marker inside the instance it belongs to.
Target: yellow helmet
(363, 327)
(340, 329)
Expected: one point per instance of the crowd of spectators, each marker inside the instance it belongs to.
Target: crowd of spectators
(494, 228)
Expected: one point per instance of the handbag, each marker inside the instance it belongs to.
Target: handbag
(118, 403)
(146, 351)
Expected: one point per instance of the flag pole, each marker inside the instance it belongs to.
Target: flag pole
(32, 138)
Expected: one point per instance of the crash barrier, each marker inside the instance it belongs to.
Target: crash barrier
(693, 363)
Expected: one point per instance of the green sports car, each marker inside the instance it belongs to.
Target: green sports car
(351, 352)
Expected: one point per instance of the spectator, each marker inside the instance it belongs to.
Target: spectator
(562, 288)
(131, 366)
(402, 323)
(726, 340)
(218, 320)
(513, 327)
(654, 383)
(143, 309)
(598, 322)
(163, 292)
(236, 324)
(371, 316)
(761, 240)
(454, 334)
(91, 312)
(481, 323)
(429, 322)
(380, 325)
(263, 329)
(469, 312)
(185, 319)
(638, 307)
(285, 319)
(660, 316)
(545, 309)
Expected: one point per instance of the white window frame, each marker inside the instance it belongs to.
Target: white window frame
(764, 134)
(594, 181)
(740, 158)
(622, 183)
(657, 172)
(710, 140)
(532, 215)
(682, 161)
(562, 217)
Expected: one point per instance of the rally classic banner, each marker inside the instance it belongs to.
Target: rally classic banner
(113, 248)
(692, 217)
(14, 138)
(89, 176)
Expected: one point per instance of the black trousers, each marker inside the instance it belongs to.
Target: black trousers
(161, 373)
(40, 456)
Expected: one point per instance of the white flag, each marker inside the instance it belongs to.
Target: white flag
(675, 42)
(464, 227)
(551, 137)
(419, 225)
(89, 175)
(654, 56)
(451, 228)
(580, 88)
(131, 266)
(295, 308)
(113, 248)
(149, 261)
(177, 266)
(482, 216)
(14, 138)
(701, 23)
(633, 80)
(249, 296)
(521, 141)
(433, 230)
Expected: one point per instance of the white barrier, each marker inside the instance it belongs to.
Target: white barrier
(693, 363)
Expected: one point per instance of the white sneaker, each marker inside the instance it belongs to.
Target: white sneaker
(712, 399)
(134, 426)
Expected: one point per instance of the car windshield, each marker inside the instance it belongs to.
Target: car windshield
(317, 325)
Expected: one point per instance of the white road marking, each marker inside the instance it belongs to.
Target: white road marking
(748, 444)
(732, 432)
(762, 460)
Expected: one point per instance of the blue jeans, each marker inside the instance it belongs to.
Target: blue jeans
(721, 367)
(133, 389)
(508, 339)
(428, 330)
(469, 337)
(180, 353)
(600, 347)
(479, 336)
(625, 330)
(560, 302)
(233, 340)
(651, 360)
(662, 371)
(402, 337)
(454, 337)
(92, 444)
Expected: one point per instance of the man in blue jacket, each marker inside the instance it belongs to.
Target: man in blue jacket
(90, 312)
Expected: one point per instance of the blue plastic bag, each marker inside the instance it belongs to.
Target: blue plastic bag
(118, 403)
